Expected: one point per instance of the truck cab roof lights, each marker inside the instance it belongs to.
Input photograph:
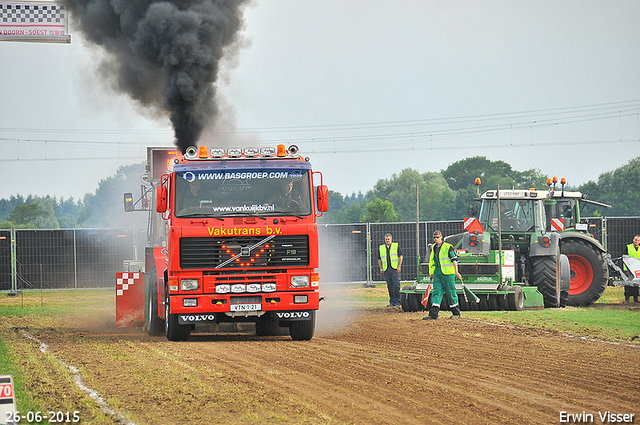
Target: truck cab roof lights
(234, 152)
(203, 152)
(217, 153)
(251, 152)
(270, 151)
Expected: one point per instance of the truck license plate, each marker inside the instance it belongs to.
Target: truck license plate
(245, 307)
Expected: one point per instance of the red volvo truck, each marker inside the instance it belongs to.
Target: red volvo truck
(232, 237)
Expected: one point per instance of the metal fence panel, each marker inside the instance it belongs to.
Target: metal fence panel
(405, 235)
(620, 233)
(71, 258)
(5, 260)
(100, 254)
(44, 259)
(343, 252)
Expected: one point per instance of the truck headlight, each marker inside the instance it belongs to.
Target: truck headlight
(189, 284)
(300, 299)
(190, 302)
(299, 281)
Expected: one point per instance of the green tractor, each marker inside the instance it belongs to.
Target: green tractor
(523, 249)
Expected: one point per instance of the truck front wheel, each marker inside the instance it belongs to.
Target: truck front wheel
(175, 331)
(303, 330)
(589, 272)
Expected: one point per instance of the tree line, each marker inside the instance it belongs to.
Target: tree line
(443, 195)
(101, 209)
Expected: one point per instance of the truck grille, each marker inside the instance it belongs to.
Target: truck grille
(244, 252)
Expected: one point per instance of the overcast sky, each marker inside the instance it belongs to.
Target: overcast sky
(364, 88)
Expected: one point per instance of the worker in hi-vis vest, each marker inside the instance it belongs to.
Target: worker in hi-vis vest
(390, 263)
(443, 269)
(633, 250)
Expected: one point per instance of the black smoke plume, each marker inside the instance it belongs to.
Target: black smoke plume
(164, 54)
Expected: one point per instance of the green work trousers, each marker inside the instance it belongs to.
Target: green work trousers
(444, 285)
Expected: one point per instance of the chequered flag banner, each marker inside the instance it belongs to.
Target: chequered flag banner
(21, 12)
(33, 21)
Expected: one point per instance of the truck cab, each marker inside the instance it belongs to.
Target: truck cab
(235, 241)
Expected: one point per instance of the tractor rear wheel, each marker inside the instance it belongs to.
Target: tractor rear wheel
(546, 278)
(589, 272)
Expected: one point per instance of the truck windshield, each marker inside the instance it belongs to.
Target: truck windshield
(242, 193)
(515, 215)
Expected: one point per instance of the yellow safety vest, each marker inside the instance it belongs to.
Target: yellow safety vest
(393, 253)
(446, 265)
(631, 250)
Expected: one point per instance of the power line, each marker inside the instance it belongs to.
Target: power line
(610, 107)
(371, 140)
(382, 148)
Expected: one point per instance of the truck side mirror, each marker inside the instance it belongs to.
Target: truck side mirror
(323, 198)
(161, 199)
(128, 202)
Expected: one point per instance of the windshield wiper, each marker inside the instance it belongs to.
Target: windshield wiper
(197, 215)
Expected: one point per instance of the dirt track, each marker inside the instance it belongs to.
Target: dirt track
(376, 366)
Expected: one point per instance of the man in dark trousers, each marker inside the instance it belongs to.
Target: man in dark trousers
(443, 269)
(633, 250)
(390, 263)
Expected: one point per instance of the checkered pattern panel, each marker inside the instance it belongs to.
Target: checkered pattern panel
(125, 280)
(24, 13)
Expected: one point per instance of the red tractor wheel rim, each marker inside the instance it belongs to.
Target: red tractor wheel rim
(581, 274)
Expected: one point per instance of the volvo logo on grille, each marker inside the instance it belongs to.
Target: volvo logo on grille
(245, 251)
(189, 319)
(293, 315)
